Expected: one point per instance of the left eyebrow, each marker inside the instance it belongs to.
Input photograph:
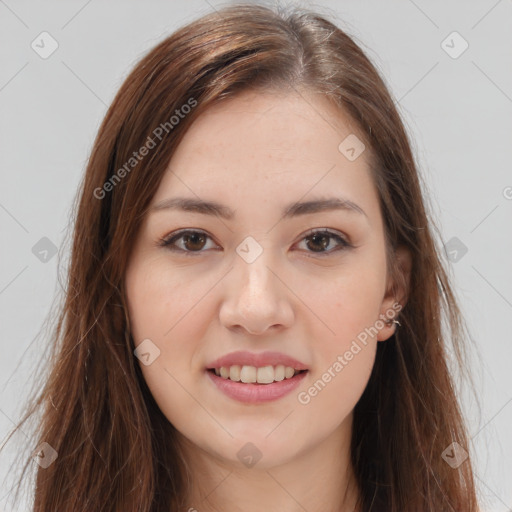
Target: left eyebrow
(190, 204)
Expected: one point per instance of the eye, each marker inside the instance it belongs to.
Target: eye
(193, 241)
(320, 239)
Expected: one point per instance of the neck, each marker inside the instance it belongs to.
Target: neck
(319, 478)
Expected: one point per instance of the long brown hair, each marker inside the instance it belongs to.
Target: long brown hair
(116, 450)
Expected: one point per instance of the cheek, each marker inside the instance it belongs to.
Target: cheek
(343, 360)
(346, 304)
(344, 352)
(156, 314)
(331, 395)
(160, 303)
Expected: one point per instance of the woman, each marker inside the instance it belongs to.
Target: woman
(253, 312)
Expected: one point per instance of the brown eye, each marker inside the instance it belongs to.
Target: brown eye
(191, 241)
(194, 241)
(319, 242)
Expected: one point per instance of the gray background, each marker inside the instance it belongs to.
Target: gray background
(458, 112)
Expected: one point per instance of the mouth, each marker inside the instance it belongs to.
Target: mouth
(256, 375)
(256, 385)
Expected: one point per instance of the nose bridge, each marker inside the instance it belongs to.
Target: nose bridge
(255, 298)
(253, 264)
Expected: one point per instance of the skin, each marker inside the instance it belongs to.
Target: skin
(257, 153)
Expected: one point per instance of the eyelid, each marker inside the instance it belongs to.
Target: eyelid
(343, 240)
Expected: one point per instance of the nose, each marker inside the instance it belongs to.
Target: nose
(256, 298)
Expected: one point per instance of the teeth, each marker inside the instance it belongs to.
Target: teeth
(279, 372)
(251, 374)
(234, 372)
(265, 375)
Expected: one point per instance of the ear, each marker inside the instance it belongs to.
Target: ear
(397, 291)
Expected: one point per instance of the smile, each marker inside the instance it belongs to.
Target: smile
(252, 374)
(255, 392)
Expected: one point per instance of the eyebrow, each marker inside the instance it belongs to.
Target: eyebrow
(292, 210)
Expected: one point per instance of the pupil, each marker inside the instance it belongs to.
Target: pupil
(194, 236)
(323, 237)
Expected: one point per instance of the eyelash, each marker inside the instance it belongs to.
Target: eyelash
(169, 240)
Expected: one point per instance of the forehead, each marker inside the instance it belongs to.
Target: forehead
(271, 123)
(268, 147)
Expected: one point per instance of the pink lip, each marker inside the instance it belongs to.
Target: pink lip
(254, 392)
(244, 358)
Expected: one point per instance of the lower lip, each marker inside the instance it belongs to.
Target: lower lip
(256, 393)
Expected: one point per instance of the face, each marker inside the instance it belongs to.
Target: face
(247, 277)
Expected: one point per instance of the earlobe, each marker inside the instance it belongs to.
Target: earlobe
(390, 327)
(397, 293)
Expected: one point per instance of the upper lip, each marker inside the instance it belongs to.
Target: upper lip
(244, 358)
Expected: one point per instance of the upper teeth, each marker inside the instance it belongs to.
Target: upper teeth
(263, 375)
